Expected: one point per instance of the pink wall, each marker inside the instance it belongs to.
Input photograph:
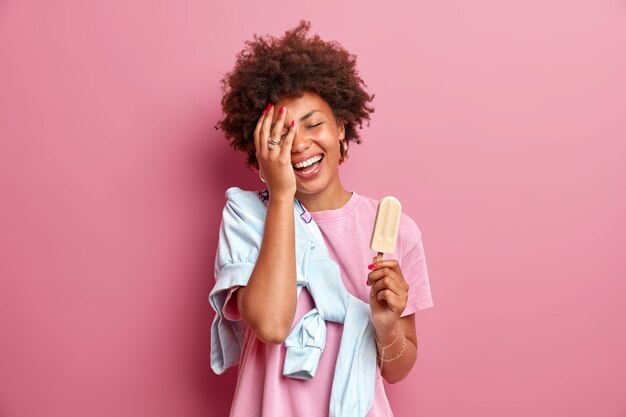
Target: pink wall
(504, 122)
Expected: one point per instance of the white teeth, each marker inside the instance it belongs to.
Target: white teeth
(308, 162)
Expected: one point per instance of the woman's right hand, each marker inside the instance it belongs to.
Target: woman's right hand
(275, 164)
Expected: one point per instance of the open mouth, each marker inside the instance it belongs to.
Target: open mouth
(308, 166)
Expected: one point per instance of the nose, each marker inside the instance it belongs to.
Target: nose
(301, 141)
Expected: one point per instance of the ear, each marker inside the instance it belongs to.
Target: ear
(341, 129)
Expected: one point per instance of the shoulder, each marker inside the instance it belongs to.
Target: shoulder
(409, 234)
(244, 202)
(236, 193)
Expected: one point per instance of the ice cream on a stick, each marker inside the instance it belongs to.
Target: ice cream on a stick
(385, 233)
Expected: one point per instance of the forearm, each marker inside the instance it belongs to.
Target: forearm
(268, 302)
(399, 358)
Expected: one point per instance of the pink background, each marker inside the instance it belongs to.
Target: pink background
(501, 126)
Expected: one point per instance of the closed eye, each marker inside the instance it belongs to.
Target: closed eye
(308, 127)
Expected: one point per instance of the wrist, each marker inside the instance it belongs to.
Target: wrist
(384, 347)
(281, 198)
(388, 335)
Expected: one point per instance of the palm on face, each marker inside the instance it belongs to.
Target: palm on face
(275, 159)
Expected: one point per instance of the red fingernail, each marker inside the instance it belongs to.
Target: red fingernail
(293, 123)
(263, 114)
(371, 266)
(268, 106)
(282, 110)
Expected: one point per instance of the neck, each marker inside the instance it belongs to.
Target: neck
(329, 199)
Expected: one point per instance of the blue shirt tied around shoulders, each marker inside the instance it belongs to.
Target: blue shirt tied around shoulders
(241, 234)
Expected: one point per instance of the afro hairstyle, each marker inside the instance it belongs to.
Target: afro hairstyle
(269, 68)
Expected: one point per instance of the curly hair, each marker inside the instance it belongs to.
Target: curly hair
(269, 68)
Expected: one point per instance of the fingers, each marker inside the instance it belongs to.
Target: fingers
(260, 150)
(391, 290)
(394, 283)
(285, 147)
(265, 133)
(388, 284)
(265, 130)
(277, 130)
(391, 284)
(386, 263)
(395, 302)
(382, 268)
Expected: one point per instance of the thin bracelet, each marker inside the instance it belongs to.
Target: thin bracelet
(392, 343)
(399, 355)
(383, 348)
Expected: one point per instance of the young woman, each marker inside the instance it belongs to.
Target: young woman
(313, 320)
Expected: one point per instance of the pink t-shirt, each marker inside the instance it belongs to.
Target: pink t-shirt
(262, 390)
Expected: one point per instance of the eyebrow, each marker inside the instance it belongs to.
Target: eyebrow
(302, 119)
(309, 114)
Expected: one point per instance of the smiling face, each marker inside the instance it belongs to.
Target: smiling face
(315, 153)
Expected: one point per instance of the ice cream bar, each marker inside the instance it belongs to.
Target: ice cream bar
(385, 231)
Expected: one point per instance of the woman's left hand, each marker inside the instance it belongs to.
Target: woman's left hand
(388, 295)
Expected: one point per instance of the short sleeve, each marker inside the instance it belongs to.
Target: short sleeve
(414, 269)
(231, 309)
(238, 247)
(237, 250)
